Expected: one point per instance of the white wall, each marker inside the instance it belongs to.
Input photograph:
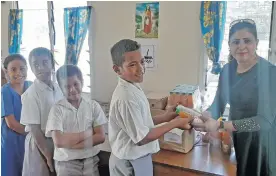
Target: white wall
(178, 50)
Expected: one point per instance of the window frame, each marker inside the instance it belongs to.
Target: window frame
(51, 27)
(272, 49)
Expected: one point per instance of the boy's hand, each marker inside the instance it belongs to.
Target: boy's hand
(170, 114)
(184, 123)
(50, 164)
(49, 160)
(87, 133)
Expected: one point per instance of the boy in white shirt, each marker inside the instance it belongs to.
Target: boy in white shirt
(75, 124)
(36, 104)
(132, 134)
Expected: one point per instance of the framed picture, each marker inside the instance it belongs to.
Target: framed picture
(147, 20)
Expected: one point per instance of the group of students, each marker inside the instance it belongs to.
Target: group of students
(48, 129)
(51, 129)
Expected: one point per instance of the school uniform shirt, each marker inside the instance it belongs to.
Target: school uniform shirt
(66, 118)
(37, 102)
(12, 143)
(129, 122)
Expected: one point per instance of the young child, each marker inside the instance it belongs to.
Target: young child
(12, 132)
(132, 135)
(75, 124)
(36, 104)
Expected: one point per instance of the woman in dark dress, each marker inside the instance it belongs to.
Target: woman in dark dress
(248, 84)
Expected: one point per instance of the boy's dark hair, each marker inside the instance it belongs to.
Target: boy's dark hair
(120, 48)
(66, 71)
(41, 51)
(13, 57)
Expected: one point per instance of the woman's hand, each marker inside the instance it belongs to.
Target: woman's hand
(207, 123)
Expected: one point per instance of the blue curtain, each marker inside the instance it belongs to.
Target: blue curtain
(15, 30)
(76, 24)
(212, 20)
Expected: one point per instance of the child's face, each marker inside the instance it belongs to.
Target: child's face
(16, 72)
(72, 88)
(133, 67)
(42, 68)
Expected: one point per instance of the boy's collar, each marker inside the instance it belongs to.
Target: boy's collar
(124, 82)
(43, 86)
(65, 103)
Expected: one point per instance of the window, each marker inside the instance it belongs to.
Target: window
(36, 30)
(260, 12)
(59, 47)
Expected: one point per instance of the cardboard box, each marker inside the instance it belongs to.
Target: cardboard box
(157, 100)
(186, 95)
(176, 140)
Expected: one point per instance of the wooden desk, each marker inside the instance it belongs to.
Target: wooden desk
(202, 160)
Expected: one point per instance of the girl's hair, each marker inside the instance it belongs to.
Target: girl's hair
(41, 51)
(13, 57)
(238, 25)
